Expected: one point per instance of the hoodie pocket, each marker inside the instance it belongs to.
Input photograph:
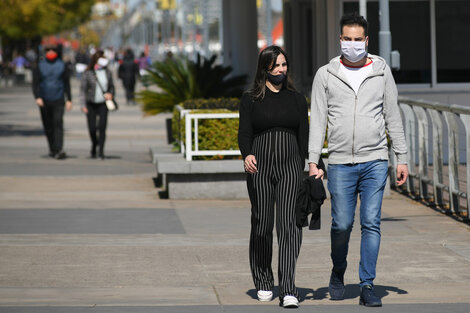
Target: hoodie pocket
(340, 130)
(369, 134)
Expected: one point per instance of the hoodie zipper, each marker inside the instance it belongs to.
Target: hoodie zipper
(354, 128)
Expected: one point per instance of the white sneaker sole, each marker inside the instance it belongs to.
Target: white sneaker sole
(291, 303)
(265, 297)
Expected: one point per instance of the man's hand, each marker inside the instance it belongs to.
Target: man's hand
(313, 170)
(68, 105)
(402, 174)
(39, 102)
(250, 164)
(108, 96)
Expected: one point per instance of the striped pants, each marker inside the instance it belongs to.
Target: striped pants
(277, 181)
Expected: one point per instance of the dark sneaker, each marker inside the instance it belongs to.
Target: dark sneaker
(368, 297)
(61, 155)
(336, 287)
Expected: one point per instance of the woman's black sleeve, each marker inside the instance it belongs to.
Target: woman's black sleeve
(245, 128)
(303, 126)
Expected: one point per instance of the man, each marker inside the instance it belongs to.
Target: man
(355, 94)
(51, 89)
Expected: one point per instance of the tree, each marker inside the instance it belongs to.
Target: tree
(32, 18)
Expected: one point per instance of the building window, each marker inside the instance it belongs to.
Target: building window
(452, 44)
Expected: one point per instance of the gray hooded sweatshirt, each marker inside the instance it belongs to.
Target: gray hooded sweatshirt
(356, 122)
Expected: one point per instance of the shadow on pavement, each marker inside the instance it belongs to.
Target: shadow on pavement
(352, 291)
(19, 130)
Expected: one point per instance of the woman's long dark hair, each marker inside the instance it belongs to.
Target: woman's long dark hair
(266, 62)
(94, 58)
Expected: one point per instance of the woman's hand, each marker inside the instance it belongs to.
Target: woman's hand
(314, 170)
(85, 110)
(250, 164)
(108, 96)
(39, 102)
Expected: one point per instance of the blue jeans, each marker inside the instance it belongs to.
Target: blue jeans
(345, 183)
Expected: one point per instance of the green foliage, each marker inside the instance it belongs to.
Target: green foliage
(32, 18)
(227, 104)
(178, 80)
(231, 104)
(212, 81)
(175, 82)
(218, 134)
(214, 134)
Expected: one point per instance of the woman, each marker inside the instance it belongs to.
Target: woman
(272, 137)
(96, 87)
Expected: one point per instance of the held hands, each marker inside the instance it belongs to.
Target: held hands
(402, 174)
(314, 170)
(250, 164)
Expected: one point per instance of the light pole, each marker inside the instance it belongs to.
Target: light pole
(385, 37)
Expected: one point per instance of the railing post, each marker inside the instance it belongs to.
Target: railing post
(410, 131)
(437, 156)
(466, 122)
(422, 150)
(453, 146)
(196, 134)
(188, 146)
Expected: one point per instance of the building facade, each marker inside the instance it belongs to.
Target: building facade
(430, 36)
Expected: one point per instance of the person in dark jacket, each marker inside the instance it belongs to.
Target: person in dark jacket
(81, 62)
(51, 89)
(128, 72)
(272, 137)
(95, 88)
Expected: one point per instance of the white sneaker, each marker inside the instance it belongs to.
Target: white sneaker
(265, 295)
(290, 302)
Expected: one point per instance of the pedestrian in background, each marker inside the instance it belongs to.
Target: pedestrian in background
(144, 64)
(19, 65)
(272, 137)
(51, 89)
(356, 97)
(81, 62)
(128, 72)
(96, 87)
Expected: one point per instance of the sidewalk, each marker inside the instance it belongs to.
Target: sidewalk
(84, 235)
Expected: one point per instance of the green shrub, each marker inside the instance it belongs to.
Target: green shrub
(230, 104)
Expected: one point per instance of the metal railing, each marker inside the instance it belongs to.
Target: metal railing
(191, 118)
(424, 120)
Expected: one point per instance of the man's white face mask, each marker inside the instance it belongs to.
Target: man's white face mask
(353, 51)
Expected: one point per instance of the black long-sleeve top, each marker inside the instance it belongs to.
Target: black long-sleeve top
(285, 109)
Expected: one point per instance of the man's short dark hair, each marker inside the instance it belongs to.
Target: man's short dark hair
(350, 19)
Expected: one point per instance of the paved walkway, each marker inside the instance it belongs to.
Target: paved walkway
(84, 235)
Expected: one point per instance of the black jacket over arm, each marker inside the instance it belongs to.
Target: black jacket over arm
(309, 200)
